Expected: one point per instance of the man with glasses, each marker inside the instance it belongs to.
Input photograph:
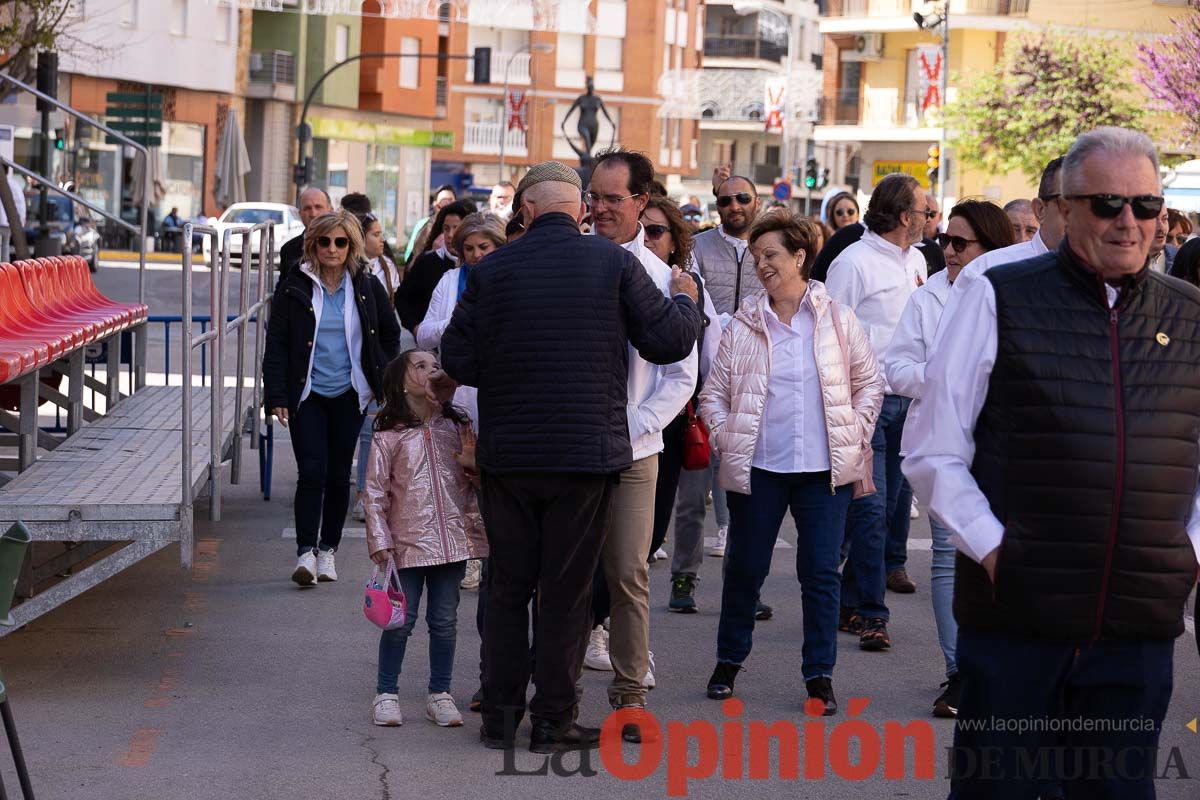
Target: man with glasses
(931, 251)
(722, 253)
(620, 186)
(1058, 443)
(874, 277)
(1162, 254)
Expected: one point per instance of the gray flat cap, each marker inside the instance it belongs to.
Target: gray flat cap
(549, 171)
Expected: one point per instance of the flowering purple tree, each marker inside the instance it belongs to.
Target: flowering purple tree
(1170, 71)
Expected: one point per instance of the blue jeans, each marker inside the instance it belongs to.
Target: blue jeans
(864, 577)
(1012, 678)
(364, 445)
(441, 615)
(754, 526)
(942, 590)
(895, 549)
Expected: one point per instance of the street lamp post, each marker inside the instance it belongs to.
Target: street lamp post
(539, 47)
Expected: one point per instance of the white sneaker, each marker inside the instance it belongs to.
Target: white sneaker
(914, 512)
(660, 555)
(649, 681)
(306, 570)
(386, 711)
(718, 549)
(359, 513)
(326, 570)
(596, 656)
(473, 576)
(440, 708)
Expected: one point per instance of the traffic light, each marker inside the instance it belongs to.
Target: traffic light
(934, 163)
(60, 141)
(302, 173)
(483, 65)
(810, 174)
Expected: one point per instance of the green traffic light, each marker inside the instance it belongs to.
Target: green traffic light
(60, 143)
(810, 182)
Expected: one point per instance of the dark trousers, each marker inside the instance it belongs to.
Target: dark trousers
(754, 521)
(670, 465)
(324, 433)
(545, 532)
(1117, 688)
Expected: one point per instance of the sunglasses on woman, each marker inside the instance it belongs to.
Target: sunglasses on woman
(655, 231)
(959, 243)
(743, 198)
(1110, 206)
(340, 242)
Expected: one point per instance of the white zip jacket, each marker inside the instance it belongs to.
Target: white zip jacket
(358, 378)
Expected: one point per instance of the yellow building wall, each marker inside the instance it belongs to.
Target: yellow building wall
(1134, 16)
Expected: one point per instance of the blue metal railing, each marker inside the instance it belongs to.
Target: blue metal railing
(205, 321)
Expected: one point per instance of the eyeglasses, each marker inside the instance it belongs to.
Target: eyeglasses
(594, 199)
(928, 212)
(959, 243)
(1110, 206)
(1178, 239)
(845, 212)
(743, 198)
(340, 242)
(655, 231)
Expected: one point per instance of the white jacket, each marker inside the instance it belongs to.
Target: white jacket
(912, 345)
(656, 393)
(441, 309)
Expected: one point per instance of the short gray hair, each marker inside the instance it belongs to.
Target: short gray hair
(1107, 140)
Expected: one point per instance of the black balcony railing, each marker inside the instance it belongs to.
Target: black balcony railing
(744, 47)
(272, 66)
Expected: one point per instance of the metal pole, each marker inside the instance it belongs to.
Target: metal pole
(945, 82)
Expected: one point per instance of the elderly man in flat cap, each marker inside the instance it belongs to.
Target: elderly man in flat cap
(543, 330)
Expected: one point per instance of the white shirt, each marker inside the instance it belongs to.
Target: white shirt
(385, 271)
(792, 437)
(875, 278)
(904, 363)
(956, 384)
(656, 393)
(441, 309)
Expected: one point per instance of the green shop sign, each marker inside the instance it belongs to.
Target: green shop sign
(350, 130)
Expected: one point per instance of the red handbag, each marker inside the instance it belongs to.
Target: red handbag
(696, 450)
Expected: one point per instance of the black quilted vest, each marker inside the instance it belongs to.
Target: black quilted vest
(1087, 451)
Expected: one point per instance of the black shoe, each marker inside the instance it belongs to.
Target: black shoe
(493, 742)
(720, 685)
(683, 589)
(762, 612)
(822, 689)
(477, 701)
(946, 706)
(874, 635)
(549, 737)
(632, 731)
(899, 582)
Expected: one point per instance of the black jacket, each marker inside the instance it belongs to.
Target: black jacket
(1086, 449)
(290, 256)
(291, 329)
(415, 292)
(543, 330)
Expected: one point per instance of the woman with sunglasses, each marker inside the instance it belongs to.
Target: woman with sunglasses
(841, 211)
(975, 227)
(331, 333)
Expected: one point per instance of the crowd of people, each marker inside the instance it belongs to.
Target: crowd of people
(537, 390)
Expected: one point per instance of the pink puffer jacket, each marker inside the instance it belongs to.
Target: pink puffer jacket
(418, 499)
(735, 392)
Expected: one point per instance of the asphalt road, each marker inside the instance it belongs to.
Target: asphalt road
(229, 682)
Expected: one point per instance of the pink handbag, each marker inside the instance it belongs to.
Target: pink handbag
(385, 606)
(866, 486)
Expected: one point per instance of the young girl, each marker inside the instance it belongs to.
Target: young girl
(422, 512)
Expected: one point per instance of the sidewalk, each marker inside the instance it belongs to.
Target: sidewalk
(159, 258)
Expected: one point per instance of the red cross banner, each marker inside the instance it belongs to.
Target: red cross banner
(929, 74)
(776, 91)
(517, 102)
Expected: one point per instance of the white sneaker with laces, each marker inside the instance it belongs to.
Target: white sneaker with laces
(386, 711)
(473, 576)
(596, 656)
(649, 681)
(305, 573)
(440, 708)
(326, 569)
(359, 513)
(718, 549)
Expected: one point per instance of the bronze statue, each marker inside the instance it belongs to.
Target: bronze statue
(588, 126)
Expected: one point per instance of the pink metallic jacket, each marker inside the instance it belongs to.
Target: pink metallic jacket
(418, 499)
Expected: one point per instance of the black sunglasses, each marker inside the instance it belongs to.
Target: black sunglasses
(959, 243)
(340, 242)
(1110, 206)
(743, 198)
(655, 231)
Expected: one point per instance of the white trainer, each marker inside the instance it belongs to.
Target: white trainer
(440, 708)
(660, 555)
(326, 569)
(473, 576)
(596, 656)
(718, 549)
(359, 514)
(305, 573)
(386, 712)
(649, 681)
(914, 512)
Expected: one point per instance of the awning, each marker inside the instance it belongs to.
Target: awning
(138, 176)
(233, 162)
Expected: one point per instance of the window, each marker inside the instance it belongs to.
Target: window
(608, 54)
(129, 13)
(339, 178)
(569, 53)
(341, 43)
(224, 23)
(410, 68)
(179, 17)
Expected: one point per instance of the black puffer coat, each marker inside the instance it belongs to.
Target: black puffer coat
(543, 330)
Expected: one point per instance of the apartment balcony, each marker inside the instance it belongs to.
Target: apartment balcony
(732, 99)
(518, 71)
(887, 16)
(272, 75)
(484, 137)
(877, 115)
(743, 47)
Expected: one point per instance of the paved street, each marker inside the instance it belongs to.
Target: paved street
(231, 682)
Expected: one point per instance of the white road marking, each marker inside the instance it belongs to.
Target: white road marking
(920, 544)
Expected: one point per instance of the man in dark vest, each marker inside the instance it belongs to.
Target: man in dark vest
(1059, 443)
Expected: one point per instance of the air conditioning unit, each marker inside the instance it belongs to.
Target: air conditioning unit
(866, 47)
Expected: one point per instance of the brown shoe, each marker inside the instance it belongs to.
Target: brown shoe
(899, 582)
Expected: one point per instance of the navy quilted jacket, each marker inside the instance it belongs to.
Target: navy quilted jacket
(543, 330)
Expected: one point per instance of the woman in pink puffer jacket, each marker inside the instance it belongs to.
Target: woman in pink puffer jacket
(791, 402)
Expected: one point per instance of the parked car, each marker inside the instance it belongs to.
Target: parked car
(285, 219)
(73, 227)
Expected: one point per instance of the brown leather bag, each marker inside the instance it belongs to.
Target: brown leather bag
(866, 486)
